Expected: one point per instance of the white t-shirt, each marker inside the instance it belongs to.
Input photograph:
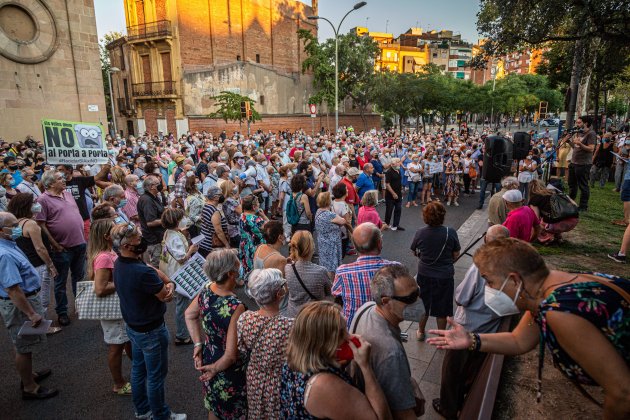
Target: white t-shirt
(526, 175)
(341, 209)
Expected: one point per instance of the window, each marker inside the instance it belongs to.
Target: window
(434, 55)
(261, 99)
(238, 58)
(258, 58)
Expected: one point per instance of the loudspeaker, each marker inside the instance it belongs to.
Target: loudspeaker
(497, 158)
(522, 145)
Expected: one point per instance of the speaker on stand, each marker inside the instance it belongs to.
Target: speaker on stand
(497, 158)
(522, 145)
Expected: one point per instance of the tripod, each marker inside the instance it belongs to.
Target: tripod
(465, 252)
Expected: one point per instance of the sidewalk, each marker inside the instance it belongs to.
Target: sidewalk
(425, 361)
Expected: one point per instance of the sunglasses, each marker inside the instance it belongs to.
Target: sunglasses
(409, 299)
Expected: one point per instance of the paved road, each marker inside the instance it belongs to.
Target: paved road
(78, 357)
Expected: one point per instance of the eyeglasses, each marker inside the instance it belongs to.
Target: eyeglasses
(409, 299)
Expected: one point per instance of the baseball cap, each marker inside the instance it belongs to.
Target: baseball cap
(513, 196)
(179, 159)
(353, 171)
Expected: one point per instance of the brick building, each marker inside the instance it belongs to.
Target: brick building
(178, 54)
(49, 65)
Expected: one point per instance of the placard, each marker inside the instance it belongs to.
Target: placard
(191, 278)
(436, 168)
(74, 143)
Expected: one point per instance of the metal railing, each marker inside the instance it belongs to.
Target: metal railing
(480, 400)
(157, 29)
(155, 89)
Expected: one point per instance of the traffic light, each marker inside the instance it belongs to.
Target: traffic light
(244, 106)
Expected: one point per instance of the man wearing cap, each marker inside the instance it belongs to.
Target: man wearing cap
(352, 198)
(521, 220)
(497, 212)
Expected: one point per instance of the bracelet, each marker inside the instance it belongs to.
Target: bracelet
(476, 342)
(198, 345)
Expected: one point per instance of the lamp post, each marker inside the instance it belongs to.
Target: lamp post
(111, 96)
(336, 31)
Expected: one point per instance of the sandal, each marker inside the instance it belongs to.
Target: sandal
(53, 330)
(437, 406)
(420, 336)
(125, 390)
(183, 342)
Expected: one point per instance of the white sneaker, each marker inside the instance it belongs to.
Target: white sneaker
(147, 416)
(448, 203)
(393, 228)
(456, 204)
(175, 416)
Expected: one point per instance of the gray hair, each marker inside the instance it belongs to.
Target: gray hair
(219, 264)
(370, 198)
(497, 232)
(112, 191)
(149, 182)
(509, 182)
(131, 180)
(382, 283)
(371, 244)
(263, 285)
(48, 178)
(5, 216)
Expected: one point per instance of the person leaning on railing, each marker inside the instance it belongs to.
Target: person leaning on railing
(582, 318)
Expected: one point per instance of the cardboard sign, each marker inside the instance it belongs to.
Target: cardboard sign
(74, 143)
(191, 277)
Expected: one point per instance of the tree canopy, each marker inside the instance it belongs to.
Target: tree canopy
(229, 107)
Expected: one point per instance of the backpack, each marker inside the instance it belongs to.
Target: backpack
(293, 215)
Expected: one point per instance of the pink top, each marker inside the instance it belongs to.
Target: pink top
(105, 259)
(131, 208)
(62, 217)
(520, 223)
(369, 214)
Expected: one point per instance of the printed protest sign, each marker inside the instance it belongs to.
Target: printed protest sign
(74, 143)
(191, 277)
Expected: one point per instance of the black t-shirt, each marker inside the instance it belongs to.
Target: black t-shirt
(435, 251)
(393, 178)
(137, 284)
(77, 187)
(202, 168)
(543, 203)
(150, 209)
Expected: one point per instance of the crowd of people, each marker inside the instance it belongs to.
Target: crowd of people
(320, 328)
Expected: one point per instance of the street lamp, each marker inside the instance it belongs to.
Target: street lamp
(111, 96)
(336, 31)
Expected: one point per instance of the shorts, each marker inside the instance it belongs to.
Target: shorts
(114, 331)
(625, 190)
(14, 319)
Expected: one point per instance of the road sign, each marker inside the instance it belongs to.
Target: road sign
(313, 109)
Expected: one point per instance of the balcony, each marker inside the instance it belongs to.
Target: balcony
(166, 89)
(160, 29)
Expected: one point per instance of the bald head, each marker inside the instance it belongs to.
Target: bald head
(496, 232)
(367, 239)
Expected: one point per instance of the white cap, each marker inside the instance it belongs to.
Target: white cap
(513, 196)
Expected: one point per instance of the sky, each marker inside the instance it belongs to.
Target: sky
(395, 16)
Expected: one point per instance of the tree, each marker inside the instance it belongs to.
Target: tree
(229, 107)
(106, 66)
(356, 69)
(512, 25)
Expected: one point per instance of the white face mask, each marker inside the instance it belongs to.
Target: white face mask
(500, 303)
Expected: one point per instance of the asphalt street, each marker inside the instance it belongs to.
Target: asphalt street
(78, 355)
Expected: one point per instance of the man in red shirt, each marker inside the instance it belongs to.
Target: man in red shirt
(521, 220)
(353, 197)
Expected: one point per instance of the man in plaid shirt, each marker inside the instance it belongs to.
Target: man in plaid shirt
(180, 185)
(352, 281)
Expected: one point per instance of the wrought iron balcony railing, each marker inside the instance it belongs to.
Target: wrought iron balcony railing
(154, 89)
(151, 30)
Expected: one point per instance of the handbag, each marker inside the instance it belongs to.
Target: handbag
(472, 172)
(90, 306)
(216, 242)
(562, 207)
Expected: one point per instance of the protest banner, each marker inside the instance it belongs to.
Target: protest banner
(74, 143)
(191, 278)
(436, 168)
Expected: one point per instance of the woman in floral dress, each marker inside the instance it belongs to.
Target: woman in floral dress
(250, 227)
(262, 336)
(328, 232)
(453, 170)
(217, 310)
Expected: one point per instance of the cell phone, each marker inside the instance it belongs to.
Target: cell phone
(344, 352)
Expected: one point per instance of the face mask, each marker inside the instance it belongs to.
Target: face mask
(13, 167)
(122, 203)
(221, 199)
(241, 162)
(140, 187)
(160, 187)
(111, 151)
(118, 220)
(140, 248)
(414, 312)
(627, 142)
(36, 208)
(16, 232)
(499, 302)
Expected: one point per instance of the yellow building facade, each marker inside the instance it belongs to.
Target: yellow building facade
(394, 57)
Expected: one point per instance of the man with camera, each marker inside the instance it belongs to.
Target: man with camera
(583, 143)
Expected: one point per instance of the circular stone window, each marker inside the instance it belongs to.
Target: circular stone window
(28, 33)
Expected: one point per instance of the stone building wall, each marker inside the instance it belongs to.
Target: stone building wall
(53, 70)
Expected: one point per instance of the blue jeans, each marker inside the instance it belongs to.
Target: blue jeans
(181, 304)
(494, 187)
(71, 260)
(414, 187)
(149, 366)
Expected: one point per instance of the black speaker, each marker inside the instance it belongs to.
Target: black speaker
(497, 158)
(522, 145)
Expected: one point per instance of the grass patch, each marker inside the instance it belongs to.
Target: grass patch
(586, 246)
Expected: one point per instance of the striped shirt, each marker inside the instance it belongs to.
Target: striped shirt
(352, 282)
(207, 228)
